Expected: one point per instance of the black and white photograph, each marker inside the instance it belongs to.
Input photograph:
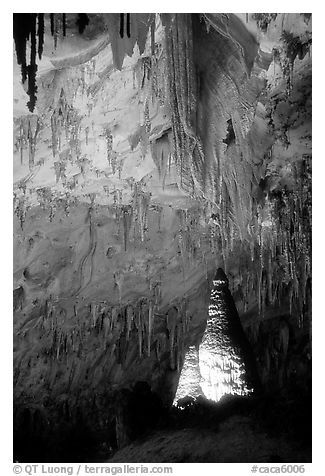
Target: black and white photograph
(162, 239)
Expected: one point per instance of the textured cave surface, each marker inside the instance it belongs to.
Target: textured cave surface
(147, 163)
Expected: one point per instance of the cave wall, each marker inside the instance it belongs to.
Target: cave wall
(129, 193)
(255, 122)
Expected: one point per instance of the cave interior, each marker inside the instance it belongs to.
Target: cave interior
(162, 237)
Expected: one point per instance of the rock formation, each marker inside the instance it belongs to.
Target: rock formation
(149, 150)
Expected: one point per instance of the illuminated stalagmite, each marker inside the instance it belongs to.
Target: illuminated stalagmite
(221, 361)
(224, 363)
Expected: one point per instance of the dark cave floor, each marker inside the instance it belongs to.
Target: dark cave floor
(273, 428)
(236, 441)
(236, 430)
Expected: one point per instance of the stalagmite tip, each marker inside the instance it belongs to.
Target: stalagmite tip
(220, 277)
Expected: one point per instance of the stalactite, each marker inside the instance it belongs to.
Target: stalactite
(109, 143)
(140, 205)
(53, 207)
(127, 222)
(118, 280)
(32, 67)
(128, 25)
(21, 34)
(151, 316)
(160, 347)
(21, 211)
(171, 325)
(40, 34)
(160, 150)
(56, 30)
(113, 161)
(82, 22)
(121, 25)
(64, 24)
(52, 23)
(152, 34)
(87, 134)
(179, 348)
(147, 122)
(107, 327)
(94, 313)
(129, 320)
(32, 138)
(139, 325)
(22, 140)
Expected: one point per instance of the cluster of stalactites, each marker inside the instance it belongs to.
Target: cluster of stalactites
(124, 221)
(58, 22)
(26, 26)
(65, 128)
(140, 205)
(29, 128)
(285, 246)
(189, 236)
(292, 46)
(275, 264)
(150, 73)
(127, 30)
(274, 247)
(110, 322)
(142, 72)
(113, 327)
(131, 219)
(47, 199)
(21, 204)
(178, 322)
